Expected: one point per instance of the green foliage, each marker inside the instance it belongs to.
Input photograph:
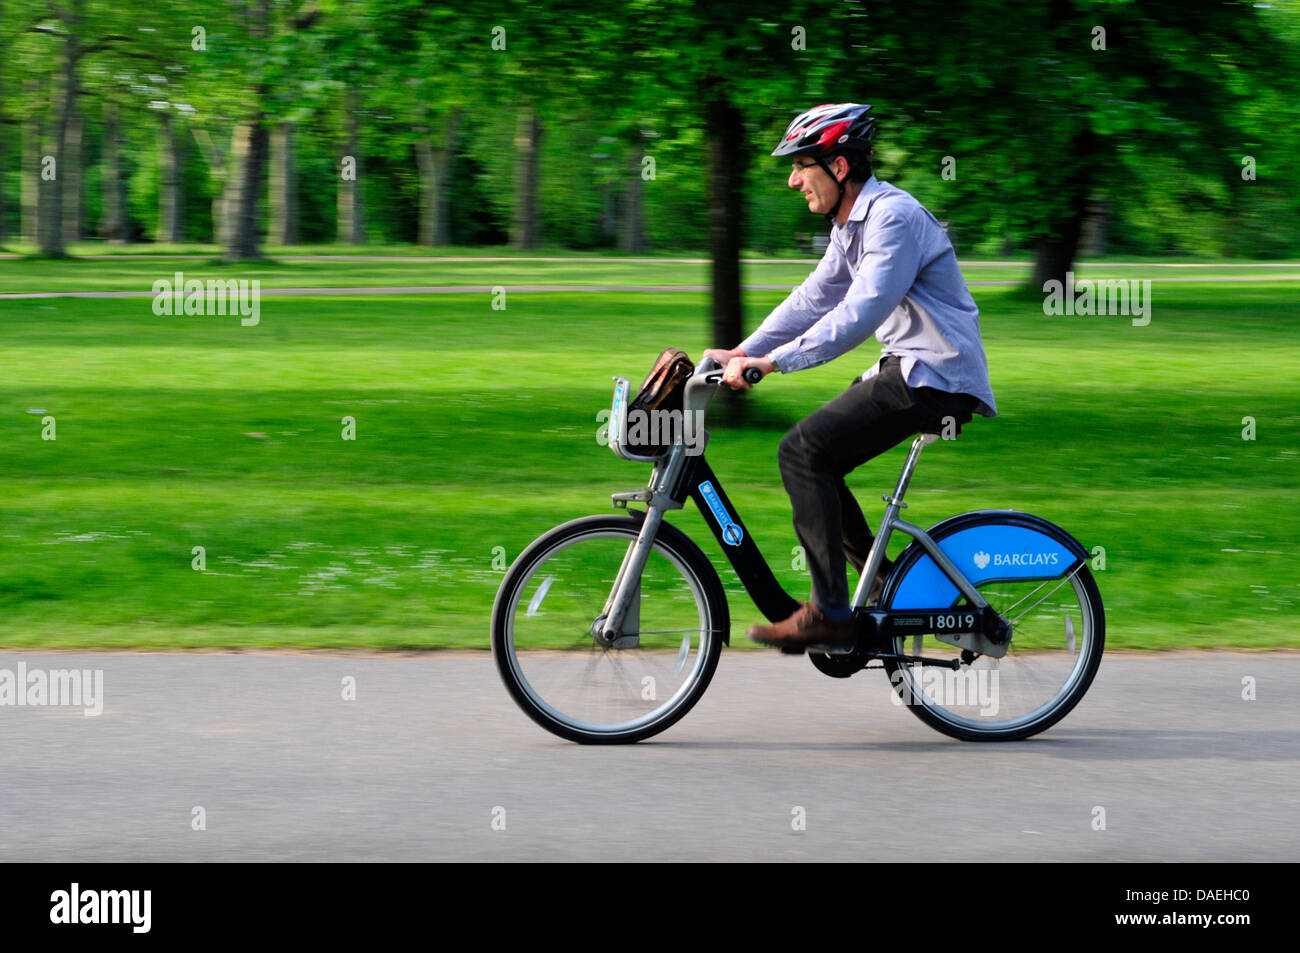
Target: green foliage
(1155, 126)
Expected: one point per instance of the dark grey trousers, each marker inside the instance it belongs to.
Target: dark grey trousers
(866, 420)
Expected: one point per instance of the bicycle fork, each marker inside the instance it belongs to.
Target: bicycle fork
(619, 623)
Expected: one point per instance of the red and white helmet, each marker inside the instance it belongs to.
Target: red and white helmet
(827, 130)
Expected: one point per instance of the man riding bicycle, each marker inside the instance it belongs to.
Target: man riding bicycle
(889, 269)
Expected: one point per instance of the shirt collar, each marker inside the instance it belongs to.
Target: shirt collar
(863, 202)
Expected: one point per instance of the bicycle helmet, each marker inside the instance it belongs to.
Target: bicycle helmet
(827, 131)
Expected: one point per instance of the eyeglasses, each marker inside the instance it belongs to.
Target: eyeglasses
(796, 167)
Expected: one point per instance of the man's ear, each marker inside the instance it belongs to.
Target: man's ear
(847, 168)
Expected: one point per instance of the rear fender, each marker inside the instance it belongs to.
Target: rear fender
(985, 545)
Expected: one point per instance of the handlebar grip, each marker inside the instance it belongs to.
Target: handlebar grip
(753, 375)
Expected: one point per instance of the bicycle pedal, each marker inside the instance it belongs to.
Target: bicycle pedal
(839, 648)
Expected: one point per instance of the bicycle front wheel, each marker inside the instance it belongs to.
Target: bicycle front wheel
(555, 667)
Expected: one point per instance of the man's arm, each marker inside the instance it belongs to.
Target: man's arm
(815, 296)
(890, 262)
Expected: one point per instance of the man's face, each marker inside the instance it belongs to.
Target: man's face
(819, 189)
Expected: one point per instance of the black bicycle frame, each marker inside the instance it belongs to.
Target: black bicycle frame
(701, 484)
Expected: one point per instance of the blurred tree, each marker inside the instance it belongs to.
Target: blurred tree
(80, 30)
(6, 131)
(730, 66)
(113, 220)
(32, 132)
(64, 22)
(245, 71)
(352, 229)
(284, 185)
(533, 47)
(648, 123)
(1079, 97)
(432, 64)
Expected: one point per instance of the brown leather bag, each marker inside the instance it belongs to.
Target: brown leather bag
(663, 390)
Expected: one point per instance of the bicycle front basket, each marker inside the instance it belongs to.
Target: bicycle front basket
(651, 413)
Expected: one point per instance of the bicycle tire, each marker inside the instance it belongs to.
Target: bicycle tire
(1052, 649)
(553, 667)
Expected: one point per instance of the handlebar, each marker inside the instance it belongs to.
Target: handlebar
(710, 366)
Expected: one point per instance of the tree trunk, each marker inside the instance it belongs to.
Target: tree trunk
(219, 233)
(31, 173)
(235, 157)
(170, 178)
(49, 237)
(727, 161)
(4, 147)
(435, 182)
(1057, 250)
(284, 187)
(609, 213)
(352, 228)
(1095, 229)
(442, 165)
(428, 189)
(112, 224)
(219, 174)
(52, 223)
(246, 163)
(70, 168)
(4, 164)
(524, 233)
(632, 227)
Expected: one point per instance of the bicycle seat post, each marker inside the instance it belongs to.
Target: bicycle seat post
(893, 505)
(909, 467)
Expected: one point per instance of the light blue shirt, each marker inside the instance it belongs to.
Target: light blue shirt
(889, 270)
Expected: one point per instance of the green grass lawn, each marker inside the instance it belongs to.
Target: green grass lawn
(476, 431)
(136, 275)
(40, 275)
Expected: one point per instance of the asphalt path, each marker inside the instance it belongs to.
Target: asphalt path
(432, 751)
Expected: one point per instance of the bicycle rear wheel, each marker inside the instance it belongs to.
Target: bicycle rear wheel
(557, 670)
(1058, 629)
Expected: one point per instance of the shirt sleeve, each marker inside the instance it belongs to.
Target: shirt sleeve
(815, 296)
(889, 264)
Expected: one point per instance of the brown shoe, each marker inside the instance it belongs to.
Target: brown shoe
(807, 626)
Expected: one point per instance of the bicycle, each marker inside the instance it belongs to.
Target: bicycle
(569, 641)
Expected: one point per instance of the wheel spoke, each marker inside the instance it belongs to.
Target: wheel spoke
(1040, 601)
